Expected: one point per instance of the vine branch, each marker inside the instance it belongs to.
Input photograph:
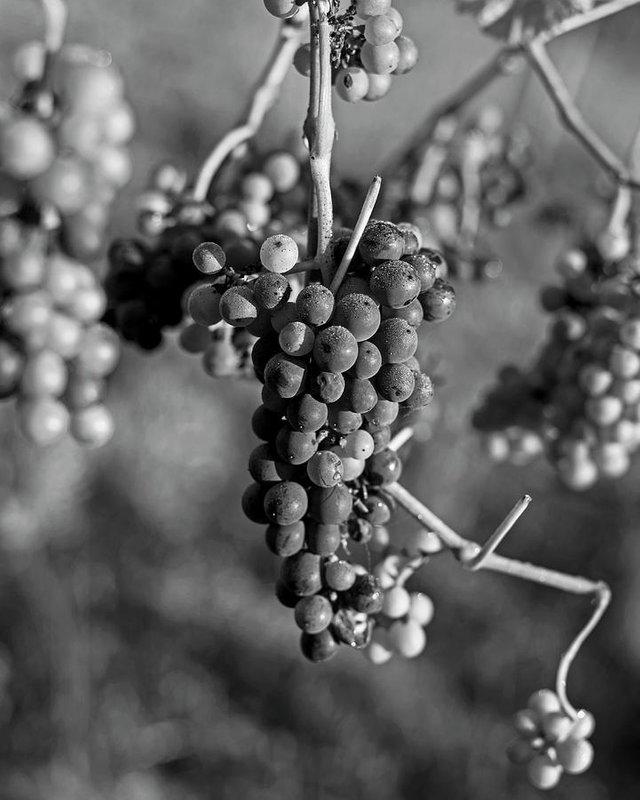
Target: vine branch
(319, 130)
(472, 556)
(263, 98)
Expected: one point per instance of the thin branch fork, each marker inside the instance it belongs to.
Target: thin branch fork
(263, 98)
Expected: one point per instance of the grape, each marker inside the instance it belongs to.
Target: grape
(285, 540)
(372, 8)
(395, 284)
(282, 169)
(44, 420)
(203, 303)
(342, 420)
(330, 506)
(325, 469)
(99, 352)
(335, 349)
(353, 467)
(238, 307)
(285, 375)
(359, 395)
(284, 314)
(323, 538)
(283, 9)
(407, 638)
(209, 257)
(285, 503)
(395, 382)
(421, 608)
(407, 55)
(253, 503)
(327, 386)
(314, 304)
(384, 468)
(11, 367)
(257, 186)
(279, 253)
(271, 291)
(439, 302)
(382, 414)
(319, 646)
(396, 340)
(352, 84)
(526, 723)
(380, 242)
(297, 339)
(265, 424)
(555, 726)
(313, 614)
(366, 595)
(380, 59)
(380, 29)
(359, 314)
(426, 264)
(272, 401)
(265, 467)
(295, 447)
(544, 772)
(301, 573)
(544, 701)
(93, 426)
(396, 602)
(45, 373)
(339, 575)
(368, 362)
(306, 414)
(26, 148)
(65, 185)
(379, 86)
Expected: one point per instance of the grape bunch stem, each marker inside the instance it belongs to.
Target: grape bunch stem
(474, 557)
(263, 97)
(319, 130)
(55, 16)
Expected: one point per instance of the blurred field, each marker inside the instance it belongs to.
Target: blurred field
(142, 655)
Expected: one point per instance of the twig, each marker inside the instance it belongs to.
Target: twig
(577, 21)
(494, 541)
(55, 15)
(361, 223)
(263, 97)
(320, 132)
(620, 210)
(469, 552)
(571, 116)
(401, 438)
(603, 598)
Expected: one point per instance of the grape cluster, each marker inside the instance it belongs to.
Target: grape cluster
(580, 401)
(470, 174)
(148, 278)
(365, 55)
(550, 742)
(63, 143)
(337, 371)
(54, 352)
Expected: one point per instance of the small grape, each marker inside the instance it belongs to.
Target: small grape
(422, 393)
(384, 468)
(544, 772)
(366, 595)
(382, 414)
(26, 148)
(327, 386)
(253, 503)
(335, 349)
(314, 304)
(339, 575)
(330, 506)
(257, 186)
(283, 315)
(279, 253)
(379, 86)
(313, 614)
(439, 302)
(265, 467)
(318, 647)
(407, 638)
(301, 573)
(368, 362)
(421, 608)
(380, 242)
(396, 340)
(323, 539)
(283, 170)
(342, 420)
(45, 373)
(396, 602)
(209, 258)
(380, 59)
(306, 414)
(378, 651)
(380, 29)
(359, 395)
(352, 84)
(325, 469)
(544, 701)
(283, 9)
(395, 284)
(412, 313)
(297, 339)
(395, 382)
(359, 314)
(93, 426)
(372, 8)
(353, 468)
(271, 291)
(408, 55)
(295, 447)
(285, 540)
(203, 303)
(285, 375)
(43, 421)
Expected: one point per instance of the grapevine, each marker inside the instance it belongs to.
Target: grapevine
(325, 295)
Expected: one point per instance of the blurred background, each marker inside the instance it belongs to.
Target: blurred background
(142, 653)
